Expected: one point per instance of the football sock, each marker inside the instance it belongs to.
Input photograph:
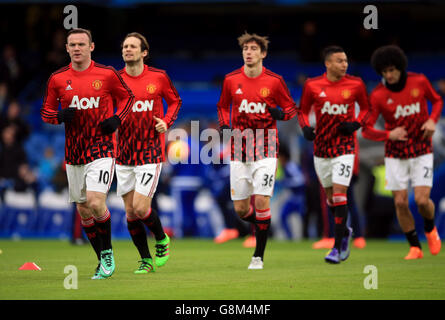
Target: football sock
(428, 224)
(152, 221)
(90, 230)
(103, 225)
(139, 237)
(341, 215)
(262, 225)
(412, 238)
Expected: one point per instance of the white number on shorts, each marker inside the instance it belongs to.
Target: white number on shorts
(149, 176)
(428, 173)
(104, 176)
(345, 170)
(268, 180)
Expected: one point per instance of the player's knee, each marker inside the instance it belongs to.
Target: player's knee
(141, 212)
(422, 201)
(83, 210)
(241, 210)
(129, 213)
(96, 204)
(401, 203)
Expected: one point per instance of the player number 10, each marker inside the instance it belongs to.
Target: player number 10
(104, 176)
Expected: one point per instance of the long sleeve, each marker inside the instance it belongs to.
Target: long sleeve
(435, 99)
(122, 94)
(50, 105)
(368, 131)
(362, 99)
(173, 100)
(306, 102)
(285, 101)
(224, 105)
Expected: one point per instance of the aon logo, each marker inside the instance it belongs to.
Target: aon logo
(334, 109)
(408, 110)
(84, 103)
(141, 106)
(252, 107)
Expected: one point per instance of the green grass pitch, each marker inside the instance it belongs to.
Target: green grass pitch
(199, 269)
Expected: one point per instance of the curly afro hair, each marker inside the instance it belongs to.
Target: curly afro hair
(388, 56)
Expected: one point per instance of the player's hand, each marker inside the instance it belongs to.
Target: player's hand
(110, 125)
(428, 128)
(309, 133)
(398, 134)
(160, 126)
(276, 113)
(347, 128)
(66, 115)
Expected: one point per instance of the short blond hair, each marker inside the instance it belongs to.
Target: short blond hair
(263, 42)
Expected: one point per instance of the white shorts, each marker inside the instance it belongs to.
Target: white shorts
(399, 172)
(94, 176)
(248, 178)
(336, 170)
(143, 179)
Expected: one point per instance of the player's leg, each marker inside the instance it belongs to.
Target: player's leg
(426, 208)
(397, 178)
(241, 190)
(342, 168)
(138, 235)
(262, 224)
(422, 181)
(407, 223)
(99, 175)
(147, 177)
(77, 194)
(263, 177)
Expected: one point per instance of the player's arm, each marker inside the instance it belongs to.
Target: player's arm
(174, 102)
(306, 103)
(49, 111)
(124, 98)
(284, 99)
(223, 106)
(430, 125)
(369, 132)
(349, 127)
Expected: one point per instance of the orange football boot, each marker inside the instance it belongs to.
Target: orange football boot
(250, 242)
(434, 242)
(226, 235)
(414, 253)
(359, 242)
(324, 243)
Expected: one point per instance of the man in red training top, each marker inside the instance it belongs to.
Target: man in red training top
(86, 90)
(402, 101)
(254, 93)
(333, 96)
(141, 148)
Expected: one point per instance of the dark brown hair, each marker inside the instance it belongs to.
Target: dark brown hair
(263, 42)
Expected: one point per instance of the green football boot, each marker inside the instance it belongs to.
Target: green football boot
(107, 265)
(162, 251)
(97, 275)
(146, 266)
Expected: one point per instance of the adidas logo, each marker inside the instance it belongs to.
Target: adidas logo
(68, 87)
(389, 101)
(322, 94)
(239, 91)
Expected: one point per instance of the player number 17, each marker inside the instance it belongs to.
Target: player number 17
(145, 181)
